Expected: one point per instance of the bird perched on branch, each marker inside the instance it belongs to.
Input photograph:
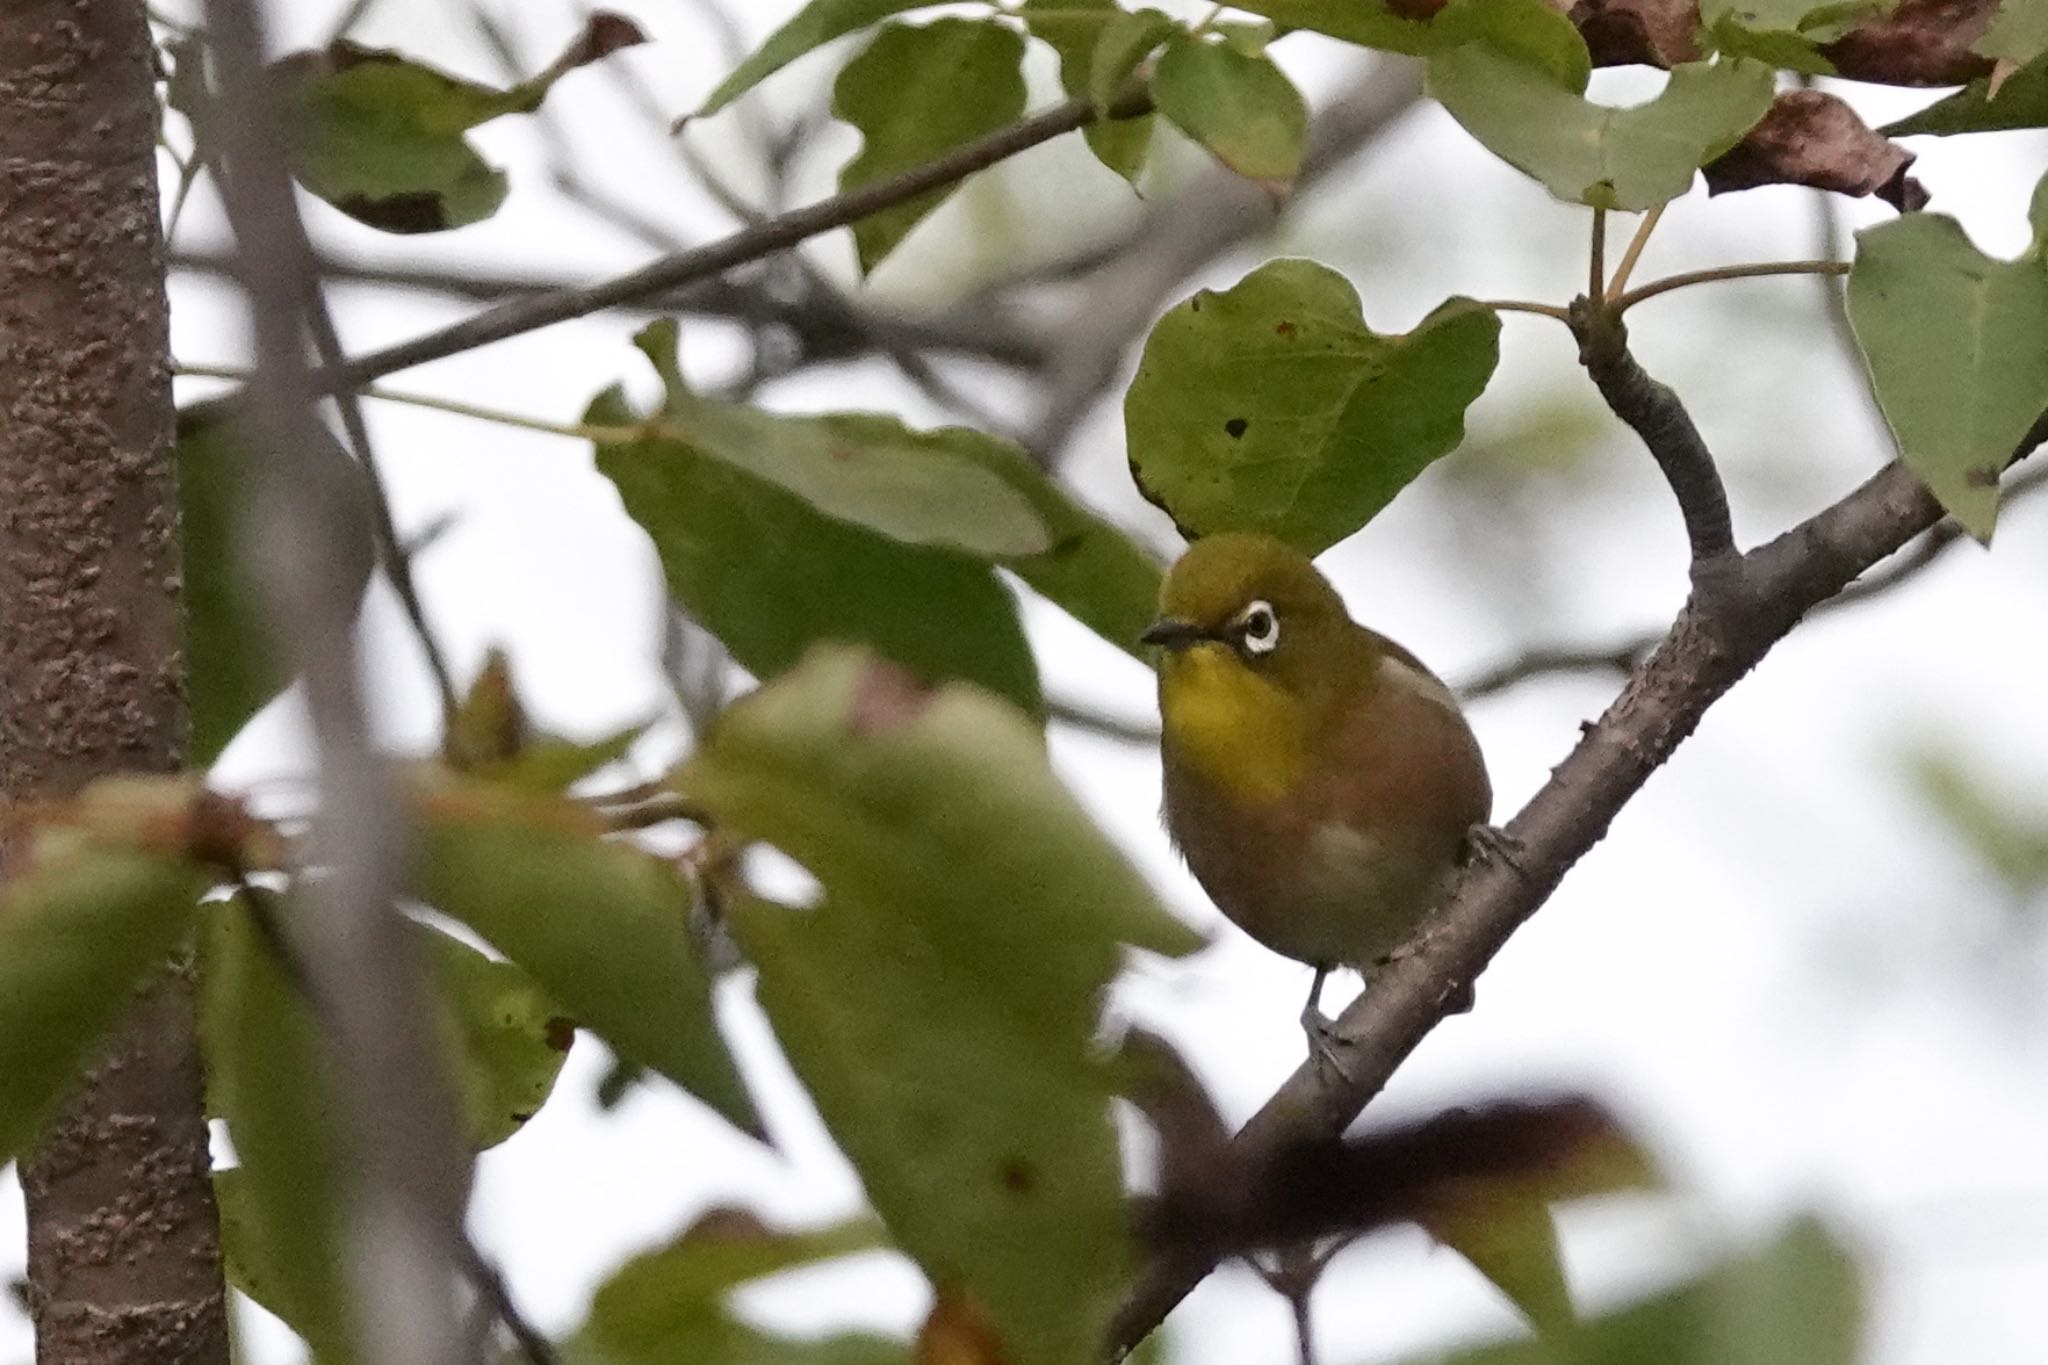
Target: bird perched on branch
(1321, 782)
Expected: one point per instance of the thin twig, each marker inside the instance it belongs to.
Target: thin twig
(1634, 252)
(780, 233)
(1654, 413)
(1717, 273)
(1546, 661)
(1596, 258)
(1081, 716)
(1548, 310)
(979, 331)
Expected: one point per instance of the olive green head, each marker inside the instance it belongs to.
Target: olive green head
(1260, 598)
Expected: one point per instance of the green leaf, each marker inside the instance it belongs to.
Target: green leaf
(1589, 153)
(1369, 23)
(282, 1210)
(770, 574)
(815, 25)
(380, 136)
(670, 1304)
(231, 669)
(602, 927)
(1273, 407)
(953, 488)
(2017, 34)
(1513, 1243)
(1784, 33)
(941, 1004)
(1078, 30)
(82, 920)
(916, 94)
(1952, 340)
(1797, 1301)
(1127, 41)
(506, 1039)
(2021, 102)
(1242, 108)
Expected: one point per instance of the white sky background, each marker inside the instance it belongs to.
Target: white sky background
(1806, 995)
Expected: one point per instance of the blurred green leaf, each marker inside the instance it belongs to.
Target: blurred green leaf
(1512, 1241)
(380, 136)
(941, 1004)
(1369, 23)
(602, 927)
(1798, 1301)
(1242, 108)
(1272, 406)
(82, 921)
(1591, 153)
(282, 1210)
(1078, 30)
(2013, 843)
(2021, 102)
(1127, 41)
(915, 94)
(2017, 33)
(1784, 33)
(1952, 341)
(507, 1040)
(231, 671)
(669, 1304)
(815, 25)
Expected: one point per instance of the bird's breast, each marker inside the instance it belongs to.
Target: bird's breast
(1240, 732)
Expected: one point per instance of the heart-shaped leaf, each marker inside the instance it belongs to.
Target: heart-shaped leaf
(1956, 343)
(1271, 406)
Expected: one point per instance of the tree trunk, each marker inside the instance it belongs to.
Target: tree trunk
(124, 1247)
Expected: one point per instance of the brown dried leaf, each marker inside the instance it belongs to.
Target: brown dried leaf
(1922, 42)
(1812, 138)
(1648, 32)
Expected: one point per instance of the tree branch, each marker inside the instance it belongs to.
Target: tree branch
(1716, 639)
(1653, 411)
(749, 244)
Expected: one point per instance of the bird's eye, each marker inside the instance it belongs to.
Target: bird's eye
(1258, 628)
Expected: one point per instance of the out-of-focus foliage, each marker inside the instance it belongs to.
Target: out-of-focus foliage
(1797, 1301)
(985, 1140)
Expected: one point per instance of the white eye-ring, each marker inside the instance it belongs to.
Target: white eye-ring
(1258, 628)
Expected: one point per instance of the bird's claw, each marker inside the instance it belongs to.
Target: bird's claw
(1324, 1045)
(1491, 843)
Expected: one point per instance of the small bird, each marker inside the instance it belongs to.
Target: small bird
(1321, 782)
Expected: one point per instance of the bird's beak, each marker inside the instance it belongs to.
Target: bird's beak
(1170, 634)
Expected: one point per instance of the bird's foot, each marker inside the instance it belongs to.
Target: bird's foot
(1491, 843)
(1326, 1046)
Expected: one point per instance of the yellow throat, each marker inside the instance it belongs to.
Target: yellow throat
(1239, 731)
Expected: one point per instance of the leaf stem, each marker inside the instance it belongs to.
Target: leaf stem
(1596, 272)
(1634, 252)
(1547, 310)
(1621, 303)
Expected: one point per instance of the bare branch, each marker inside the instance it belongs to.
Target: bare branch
(530, 314)
(1715, 640)
(981, 334)
(1543, 662)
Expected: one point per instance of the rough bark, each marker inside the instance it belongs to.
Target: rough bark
(124, 1261)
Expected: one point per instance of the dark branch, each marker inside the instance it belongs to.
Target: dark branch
(749, 244)
(1653, 411)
